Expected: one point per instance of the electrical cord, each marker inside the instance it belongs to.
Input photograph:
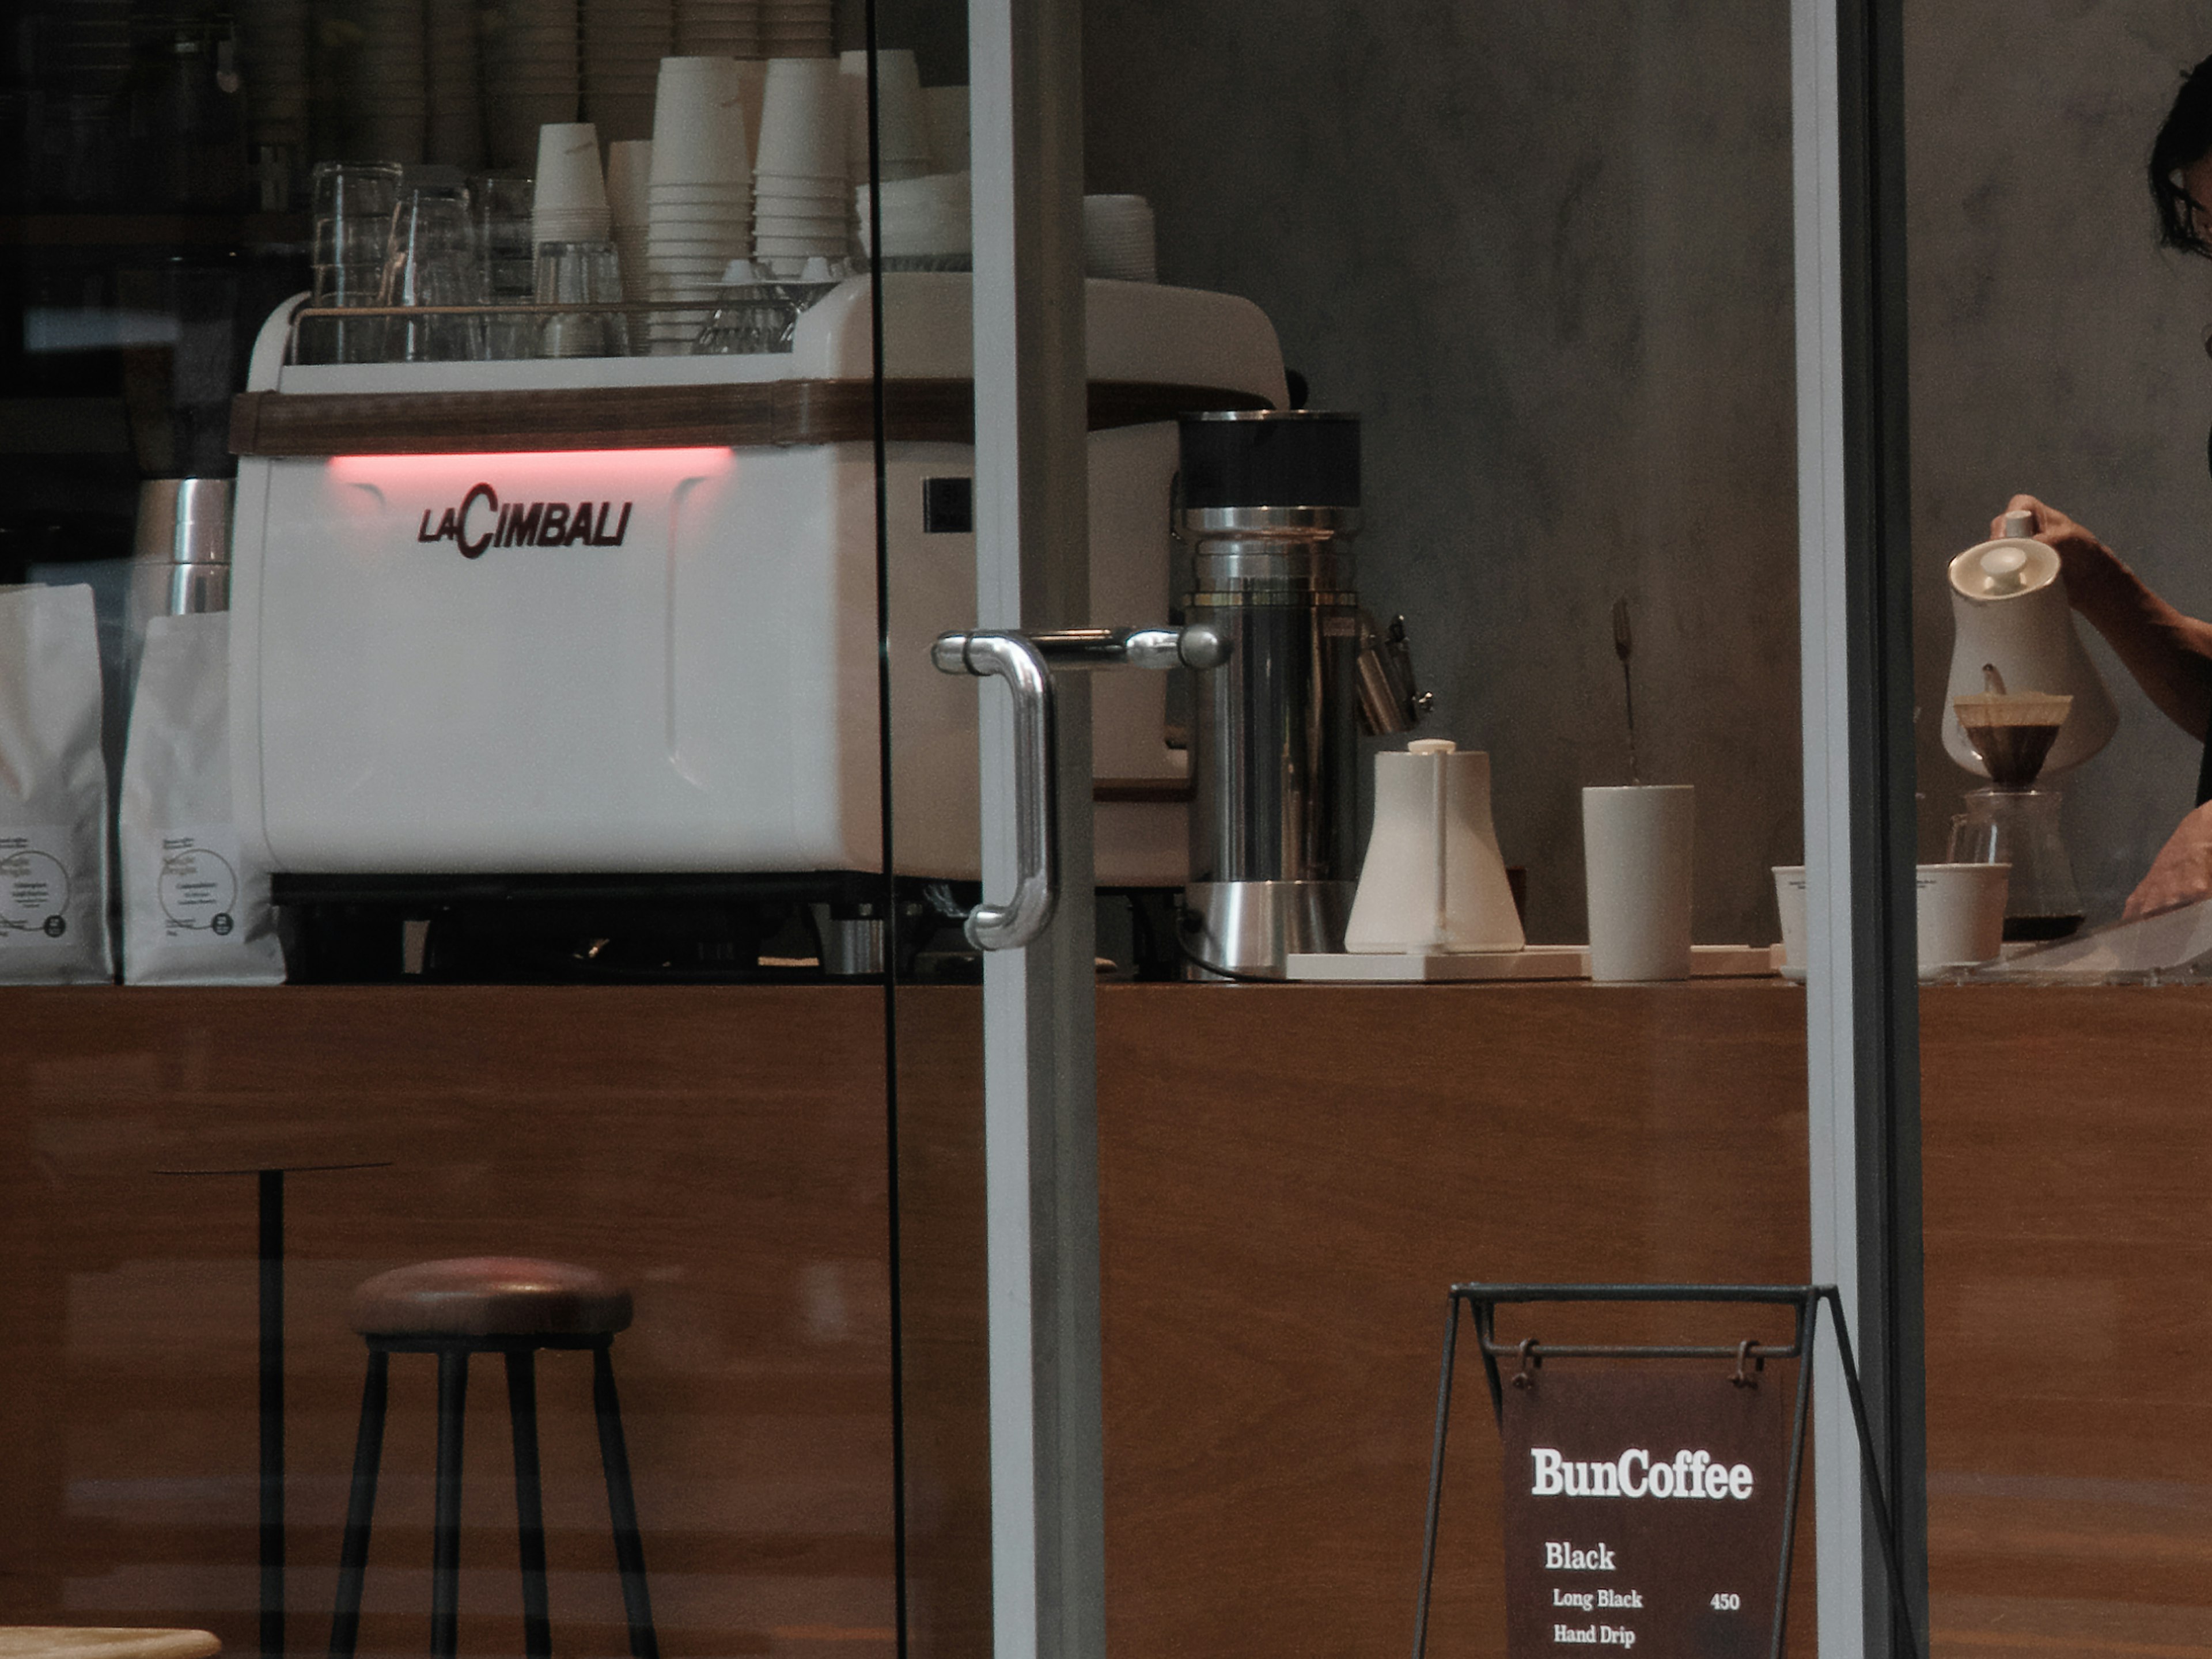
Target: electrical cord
(1188, 921)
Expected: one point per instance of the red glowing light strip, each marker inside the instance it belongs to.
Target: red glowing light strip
(658, 462)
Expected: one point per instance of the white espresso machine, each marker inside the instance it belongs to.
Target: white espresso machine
(618, 615)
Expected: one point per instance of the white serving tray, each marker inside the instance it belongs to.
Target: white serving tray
(1536, 961)
(2160, 943)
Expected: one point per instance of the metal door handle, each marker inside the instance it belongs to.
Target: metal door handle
(1026, 662)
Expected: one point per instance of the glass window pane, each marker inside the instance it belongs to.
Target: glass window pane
(2064, 1474)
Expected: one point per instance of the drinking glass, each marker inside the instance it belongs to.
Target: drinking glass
(581, 274)
(431, 261)
(354, 202)
(507, 261)
(353, 207)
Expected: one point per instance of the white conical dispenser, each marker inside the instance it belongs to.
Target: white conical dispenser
(1433, 882)
(2008, 606)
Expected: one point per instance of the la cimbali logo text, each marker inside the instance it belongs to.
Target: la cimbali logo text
(482, 521)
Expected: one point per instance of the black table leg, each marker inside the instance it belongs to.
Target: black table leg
(271, 1208)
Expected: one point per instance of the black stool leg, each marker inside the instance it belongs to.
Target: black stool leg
(529, 1503)
(353, 1554)
(446, 1535)
(629, 1551)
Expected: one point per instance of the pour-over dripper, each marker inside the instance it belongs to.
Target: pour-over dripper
(2011, 732)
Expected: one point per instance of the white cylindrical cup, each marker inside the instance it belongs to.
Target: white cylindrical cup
(1638, 842)
(902, 118)
(802, 117)
(630, 169)
(699, 123)
(1789, 900)
(569, 175)
(1961, 914)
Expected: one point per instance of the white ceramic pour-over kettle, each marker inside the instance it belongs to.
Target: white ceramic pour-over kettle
(2009, 609)
(1433, 881)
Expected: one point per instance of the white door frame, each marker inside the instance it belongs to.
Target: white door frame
(1032, 563)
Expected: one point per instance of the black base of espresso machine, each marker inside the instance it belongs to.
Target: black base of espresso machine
(828, 927)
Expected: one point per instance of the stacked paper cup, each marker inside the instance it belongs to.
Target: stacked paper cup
(902, 117)
(391, 83)
(272, 57)
(752, 81)
(926, 223)
(801, 196)
(629, 177)
(570, 204)
(948, 128)
(456, 119)
(530, 76)
(795, 28)
(718, 28)
(699, 200)
(1117, 239)
(624, 41)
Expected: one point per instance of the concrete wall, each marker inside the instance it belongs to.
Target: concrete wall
(1545, 251)
(2055, 350)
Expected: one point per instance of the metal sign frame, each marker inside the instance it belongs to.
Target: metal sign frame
(1482, 1303)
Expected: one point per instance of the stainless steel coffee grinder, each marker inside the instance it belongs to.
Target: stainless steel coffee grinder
(1267, 504)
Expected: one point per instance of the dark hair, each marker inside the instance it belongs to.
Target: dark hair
(2185, 138)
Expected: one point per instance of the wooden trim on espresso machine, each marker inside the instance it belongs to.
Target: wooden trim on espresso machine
(770, 412)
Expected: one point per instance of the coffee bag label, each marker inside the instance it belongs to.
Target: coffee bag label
(197, 884)
(37, 887)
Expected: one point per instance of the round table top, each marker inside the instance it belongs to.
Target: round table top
(97, 1642)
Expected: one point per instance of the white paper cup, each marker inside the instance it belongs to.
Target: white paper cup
(802, 117)
(1637, 851)
(699, 123)
(1789, 900)
(568, 174)
(1961, 913)
(736, 190)
(629, 172)
(902, 118)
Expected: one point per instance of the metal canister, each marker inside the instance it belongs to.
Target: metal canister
(1268, 503)
(182, 546)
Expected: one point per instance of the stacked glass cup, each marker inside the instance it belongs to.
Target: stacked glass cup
(353, 204)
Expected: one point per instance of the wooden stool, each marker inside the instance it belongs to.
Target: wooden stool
(103, 1642)
(511, 1306)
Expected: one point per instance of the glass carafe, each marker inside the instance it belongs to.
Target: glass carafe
(2019, 826)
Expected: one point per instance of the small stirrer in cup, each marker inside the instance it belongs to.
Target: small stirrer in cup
(1623, 645)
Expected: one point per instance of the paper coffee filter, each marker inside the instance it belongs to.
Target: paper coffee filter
(2012, 708)
(2011, 732)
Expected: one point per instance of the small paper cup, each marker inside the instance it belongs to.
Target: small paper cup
(1790, 901)
(1961, 913)
(568, 176)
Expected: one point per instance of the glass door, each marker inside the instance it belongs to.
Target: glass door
(569, 554)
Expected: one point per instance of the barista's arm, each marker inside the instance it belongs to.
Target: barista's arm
(2169, 654)
(2182, 871)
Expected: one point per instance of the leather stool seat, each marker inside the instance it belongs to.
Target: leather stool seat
(490, 1296)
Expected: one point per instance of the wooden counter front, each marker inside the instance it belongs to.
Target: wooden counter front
(1290, 1178)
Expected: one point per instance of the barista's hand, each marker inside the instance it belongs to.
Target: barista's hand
(2182, 871)
(2083, 559)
